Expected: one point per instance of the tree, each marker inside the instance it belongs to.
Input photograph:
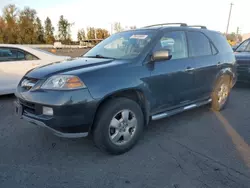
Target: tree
(133, 27)
(118, 27)
(91, 33)
(101, 33)
(40, 31)
(10, 18)
(49, 31)
(231, 36)
(64, 30)
(81, 35)
(27, 32)
(2, 30)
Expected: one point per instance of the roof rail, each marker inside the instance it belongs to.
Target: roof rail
(201, 26)
(181, 24)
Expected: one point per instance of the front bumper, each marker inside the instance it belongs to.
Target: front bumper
(73, 115)
(56, 132)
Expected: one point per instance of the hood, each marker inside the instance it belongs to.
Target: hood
(82, 64)
(242, 55)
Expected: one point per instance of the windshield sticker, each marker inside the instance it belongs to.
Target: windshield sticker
(138, 36)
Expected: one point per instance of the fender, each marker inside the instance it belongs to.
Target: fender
(140, 94)
(227, 71)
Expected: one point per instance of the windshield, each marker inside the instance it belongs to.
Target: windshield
(244, 47)
(125, 45)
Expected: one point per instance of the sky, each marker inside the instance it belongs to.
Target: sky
(102, 13)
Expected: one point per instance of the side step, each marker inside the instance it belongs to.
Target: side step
(179, 110)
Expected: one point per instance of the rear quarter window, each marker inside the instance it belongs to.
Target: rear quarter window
(220, 42)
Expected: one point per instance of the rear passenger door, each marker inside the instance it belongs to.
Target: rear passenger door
(204, 53)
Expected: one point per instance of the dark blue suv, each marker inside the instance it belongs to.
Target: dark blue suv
(242, 54)
(130, 78)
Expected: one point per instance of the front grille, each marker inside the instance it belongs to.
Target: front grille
(28, 106)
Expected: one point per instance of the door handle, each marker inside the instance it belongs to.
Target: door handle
(189, 69)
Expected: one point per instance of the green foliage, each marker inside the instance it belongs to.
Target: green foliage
(101, 33)
(2, 30)
(64, 27)
(118, 27)
(91, 33)
(40, 31)
(133, 27)
(49, 31)
(25, 27)
(81, 35)
(26, 24)
(11, 28)
(233, 37)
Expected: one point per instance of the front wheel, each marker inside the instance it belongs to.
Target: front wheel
(118, 126)
(221, 93)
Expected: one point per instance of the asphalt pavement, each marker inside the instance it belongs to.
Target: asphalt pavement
(198, 148)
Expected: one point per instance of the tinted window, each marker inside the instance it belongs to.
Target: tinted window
(11, 54)
(175, 42)
(219, 41)
(7, 54)
(243, 47)
(199, 45)
(20, 55)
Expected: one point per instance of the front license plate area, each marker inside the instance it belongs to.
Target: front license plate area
(18, 110)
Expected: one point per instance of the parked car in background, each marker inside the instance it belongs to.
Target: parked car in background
(235, 46)
(57, 45)
(242, 54)
(126, 80)
(16, 60)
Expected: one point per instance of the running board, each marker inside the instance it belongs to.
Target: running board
(179, 110)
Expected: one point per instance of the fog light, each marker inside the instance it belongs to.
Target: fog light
(47, 111)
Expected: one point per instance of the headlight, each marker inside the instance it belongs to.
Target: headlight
(63, 82)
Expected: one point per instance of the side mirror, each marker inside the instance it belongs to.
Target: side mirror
(161, 55)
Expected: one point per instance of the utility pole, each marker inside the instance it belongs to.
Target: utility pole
(229, 17)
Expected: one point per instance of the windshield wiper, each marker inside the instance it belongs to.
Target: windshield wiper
(99, 56)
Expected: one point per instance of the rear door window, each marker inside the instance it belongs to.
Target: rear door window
(198, 44)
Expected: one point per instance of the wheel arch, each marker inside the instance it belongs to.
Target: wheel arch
(134, 94)
(225, 72)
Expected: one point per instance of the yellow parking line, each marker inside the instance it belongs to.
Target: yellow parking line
(242, 147)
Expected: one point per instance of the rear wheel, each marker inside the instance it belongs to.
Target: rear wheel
(221, 93)
(118, 125)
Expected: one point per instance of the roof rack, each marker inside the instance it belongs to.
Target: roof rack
(201, 26)
(181, 24)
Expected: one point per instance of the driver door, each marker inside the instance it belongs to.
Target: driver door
(172, 81)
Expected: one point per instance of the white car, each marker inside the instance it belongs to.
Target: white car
(16, 60)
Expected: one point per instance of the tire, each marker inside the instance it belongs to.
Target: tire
(223, 81)
(115, 109)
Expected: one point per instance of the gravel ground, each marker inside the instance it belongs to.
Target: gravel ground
(198, 148)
